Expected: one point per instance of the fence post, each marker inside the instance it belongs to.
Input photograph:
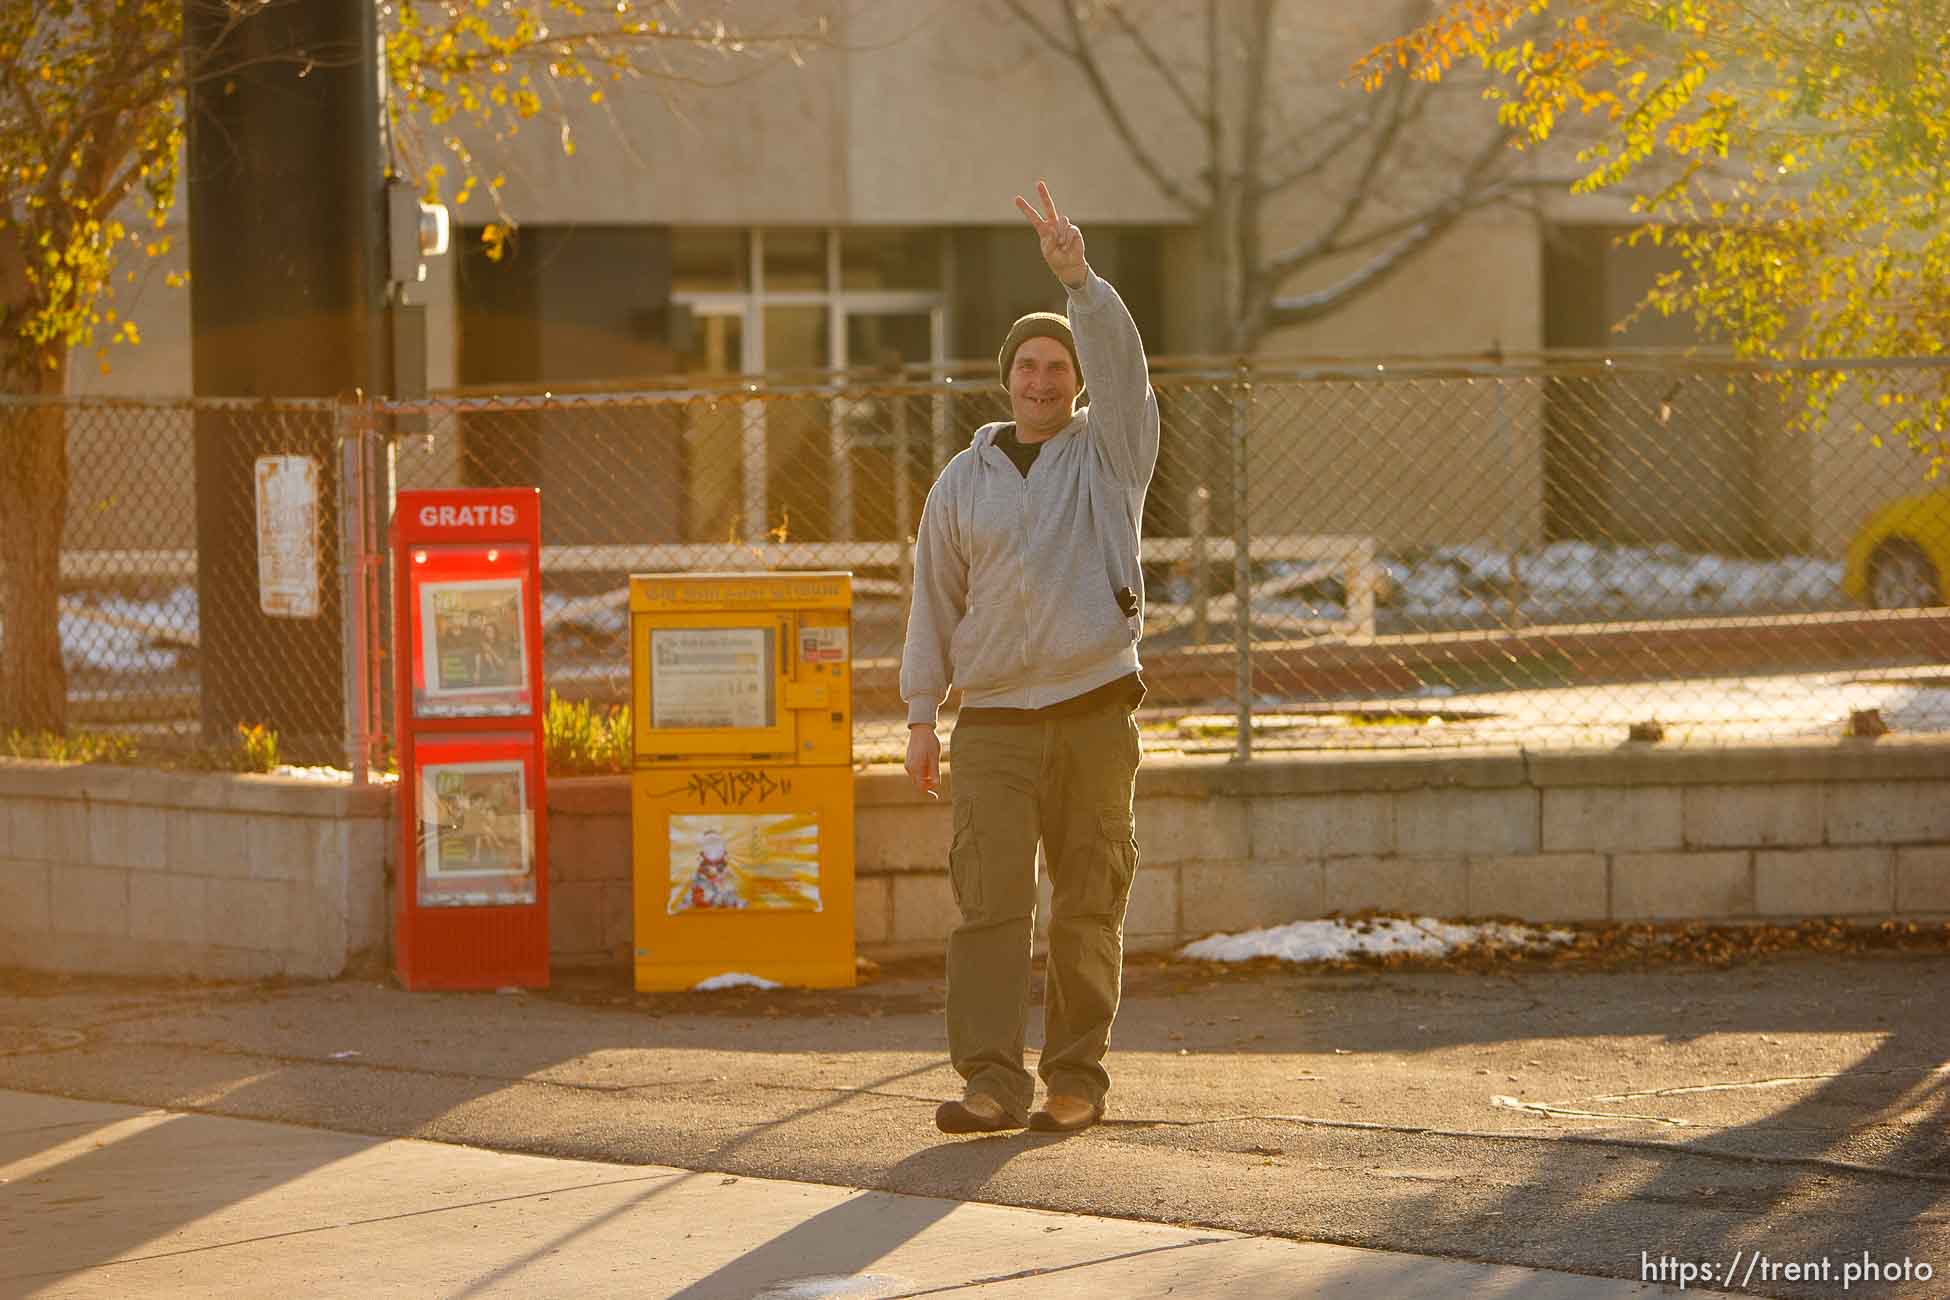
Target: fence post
(753, 464)
(839, 460)
(903, 503)
(938, 419)
(1360, 583)
(1513, 529)
(1242, 570)
(1201, 579)
(352, 418)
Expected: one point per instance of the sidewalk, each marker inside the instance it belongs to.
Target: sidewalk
(109, 1200)
(1534, 1130)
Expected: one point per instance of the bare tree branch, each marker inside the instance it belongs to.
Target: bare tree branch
(1488, 196)
(1202, 116)
(13, 270)
(1475, 190)
(1365, 143)
(122, 184)
(234, 16)
(1409, 234)
(132, 91)
(113, 122)
(1300, 308)
(1330, 241)
(1078, 52)
(36, 124)
(1215, 125)
(1252, 146)
(1252, 137)
(566, 44)
(1347, 124)
(1044, 34)
(1395, 115)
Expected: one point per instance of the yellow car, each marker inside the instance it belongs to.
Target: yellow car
(1901, 558)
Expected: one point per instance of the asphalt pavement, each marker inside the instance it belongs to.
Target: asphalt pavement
(1779, 1123)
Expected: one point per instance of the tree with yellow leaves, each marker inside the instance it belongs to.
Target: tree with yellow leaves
(92, 97)
(1797, 155)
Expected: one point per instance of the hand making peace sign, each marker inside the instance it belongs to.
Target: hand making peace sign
(1062, 242)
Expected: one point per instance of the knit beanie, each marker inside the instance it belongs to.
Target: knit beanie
(1038, 324)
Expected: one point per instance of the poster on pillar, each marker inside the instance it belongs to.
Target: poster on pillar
(471, 651)
(477, 842)
(287, 536)
(739, 861)
(472, 637)
(718, 677)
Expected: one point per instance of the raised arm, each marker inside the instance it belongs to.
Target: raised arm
(1123, 409)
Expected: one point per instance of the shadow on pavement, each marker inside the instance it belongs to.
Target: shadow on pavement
(1810, 1097)
(515, 1267)
(1801, 1112)
(141, 1179)
(1844, 1186)
(849, 1238)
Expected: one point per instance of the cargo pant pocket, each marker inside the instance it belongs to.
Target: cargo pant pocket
(965, 861)
(1108, 886)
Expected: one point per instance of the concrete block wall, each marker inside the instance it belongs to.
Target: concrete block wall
(125, 870)
(1854, 829)
(590, 889)
(135, 871)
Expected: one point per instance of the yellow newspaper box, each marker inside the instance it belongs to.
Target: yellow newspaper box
(741, 794)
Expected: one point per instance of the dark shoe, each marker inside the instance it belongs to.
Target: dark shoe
(1062, 1114)
(974, 1113)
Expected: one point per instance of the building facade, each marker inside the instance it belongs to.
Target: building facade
(852, 211)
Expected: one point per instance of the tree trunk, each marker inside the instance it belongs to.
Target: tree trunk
(33, 511)
(1218, 298)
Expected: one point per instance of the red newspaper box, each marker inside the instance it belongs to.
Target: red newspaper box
(471, 890)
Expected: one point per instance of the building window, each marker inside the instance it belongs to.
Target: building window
(709, 261)
(880, 294)
(891, 258)
(809, 298)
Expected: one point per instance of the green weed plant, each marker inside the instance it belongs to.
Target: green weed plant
(578, 739)
(81, 747)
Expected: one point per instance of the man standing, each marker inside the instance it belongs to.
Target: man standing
(1029, 596)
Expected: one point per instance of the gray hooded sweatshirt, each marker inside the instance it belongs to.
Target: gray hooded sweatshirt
(1016, 577)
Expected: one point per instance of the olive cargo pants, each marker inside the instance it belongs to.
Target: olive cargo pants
(1067, 782)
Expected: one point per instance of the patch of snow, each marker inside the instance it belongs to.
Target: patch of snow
(734, 980)
(1338, 939)
(90, 643)
(112, 633)
(1581, 580)
(172, 616)
(599, 619)
(324, 775)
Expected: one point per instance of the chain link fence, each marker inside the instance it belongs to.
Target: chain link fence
(198, 583)
(1559, 553)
